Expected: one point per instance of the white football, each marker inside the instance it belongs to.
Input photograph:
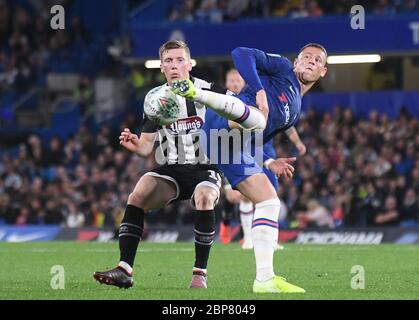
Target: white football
(161, 107)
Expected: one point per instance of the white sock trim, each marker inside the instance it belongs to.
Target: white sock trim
(199, 269)
(125, 266)
(270, 202)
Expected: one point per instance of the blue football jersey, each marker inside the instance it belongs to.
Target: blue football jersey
(266, 71)
(275, 74)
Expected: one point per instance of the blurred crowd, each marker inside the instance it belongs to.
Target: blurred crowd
(356, 173)
(227, 10)
(84, 181)
(27, 41)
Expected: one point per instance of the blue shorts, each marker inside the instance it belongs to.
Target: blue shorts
(244, 164)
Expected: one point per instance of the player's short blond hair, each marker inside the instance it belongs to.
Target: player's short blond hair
(315, 45)
(174, 44)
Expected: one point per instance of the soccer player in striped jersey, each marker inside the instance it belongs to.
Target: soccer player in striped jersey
(275, 86)
(184, 176)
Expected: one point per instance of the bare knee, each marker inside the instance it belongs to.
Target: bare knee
(152, 193)
(137, 199)
(205, 198)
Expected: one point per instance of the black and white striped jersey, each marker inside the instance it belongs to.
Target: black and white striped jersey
(179, 141)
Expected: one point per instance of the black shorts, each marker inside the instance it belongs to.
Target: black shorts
(187, 177)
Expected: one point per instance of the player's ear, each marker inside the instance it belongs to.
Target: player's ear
(324, 71)
(161, 67)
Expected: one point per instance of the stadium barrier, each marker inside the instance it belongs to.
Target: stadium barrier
(185, 233)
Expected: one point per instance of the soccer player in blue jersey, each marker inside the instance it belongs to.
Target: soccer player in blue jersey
(235, 83)
(275, 86)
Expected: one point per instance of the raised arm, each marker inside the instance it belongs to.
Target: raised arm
(252, 62)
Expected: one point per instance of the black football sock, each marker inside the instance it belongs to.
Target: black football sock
(130, 233)
(228, 213)
(204, 236)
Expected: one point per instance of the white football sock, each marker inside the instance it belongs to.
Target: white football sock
(199, 269)
(246, 218)
(265, 237)
(125, 266)
(232, 108)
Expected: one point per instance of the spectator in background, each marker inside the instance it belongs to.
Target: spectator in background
(35, 150)
(409, 211)
(5, 209)
(209, 11)
(75, 218)
(6, 25)
(315, 216)
(96, 216)
(78, 32)
(342, 6)
(409, 6)
(389, 215)
(55, 155)
(313, 8)
(24, 23)
(53, 215)
(84, 94)
(234, 82)
(183, 11)
(36, 212)
(258, 8)
(235, 9)
(23, 217)
(299, 11)
(370, 204)
(384, 7)
(415, 178)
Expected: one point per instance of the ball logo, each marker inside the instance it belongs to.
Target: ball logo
(169, 106)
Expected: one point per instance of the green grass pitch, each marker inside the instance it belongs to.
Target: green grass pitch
(163, 271)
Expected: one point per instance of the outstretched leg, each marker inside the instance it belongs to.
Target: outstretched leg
(227, 106)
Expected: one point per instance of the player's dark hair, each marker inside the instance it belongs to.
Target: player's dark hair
(315, 45)
(174, 44)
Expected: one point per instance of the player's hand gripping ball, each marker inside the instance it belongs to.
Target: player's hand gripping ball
(161, 106)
